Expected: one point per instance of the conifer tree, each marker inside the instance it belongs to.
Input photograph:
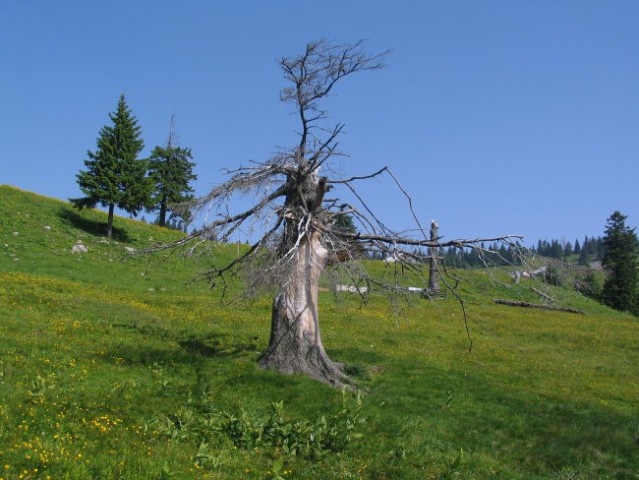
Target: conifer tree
(344, 223)
(621, 259)
(171, 173)
(556, 250)
(568, 251)
(344, 228)
(114, 176)
(585, 249)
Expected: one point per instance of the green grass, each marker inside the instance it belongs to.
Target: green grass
(97, 348)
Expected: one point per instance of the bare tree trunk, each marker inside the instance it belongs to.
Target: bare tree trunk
(295, 345)
(433, 280)
(109, 231)
(162, 216)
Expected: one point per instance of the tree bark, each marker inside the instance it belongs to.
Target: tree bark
(295, 345)
(109, 231)
(162, 218)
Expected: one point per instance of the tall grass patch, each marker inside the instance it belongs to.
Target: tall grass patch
(113, 366)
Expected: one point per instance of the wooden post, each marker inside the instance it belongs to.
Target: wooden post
(433, 280)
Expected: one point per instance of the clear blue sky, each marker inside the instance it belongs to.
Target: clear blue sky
(499, 117)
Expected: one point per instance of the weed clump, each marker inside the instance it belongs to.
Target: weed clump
(274, 432)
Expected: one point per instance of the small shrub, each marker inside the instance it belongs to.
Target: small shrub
(357, 370)
(589, 285)
(453, 466)
(554, 276)
(292, 437)
(180, 426)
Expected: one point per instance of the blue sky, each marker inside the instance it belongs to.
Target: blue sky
(499, 117)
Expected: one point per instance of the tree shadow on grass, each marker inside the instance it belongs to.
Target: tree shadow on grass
(145, 330)
(355, 355)
(535, 432)
(192, 349)
(92, 227)
(212, 347)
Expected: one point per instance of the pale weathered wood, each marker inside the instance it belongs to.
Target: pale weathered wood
(514, 303)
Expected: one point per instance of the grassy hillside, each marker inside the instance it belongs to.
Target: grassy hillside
(118, 366)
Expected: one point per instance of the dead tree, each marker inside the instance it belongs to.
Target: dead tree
(298, 215)
(433, 275)
(514, 303)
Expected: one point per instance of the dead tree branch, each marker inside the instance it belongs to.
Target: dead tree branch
(513, 303)
(300, 229)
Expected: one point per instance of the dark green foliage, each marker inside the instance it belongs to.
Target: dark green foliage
(552, 249)
(568, 251)
(114, 177)
(621, 259)
(357, 371)
(344, 223)
(553, 276)
(589, 285)
(291, 437)
(486, 255)
(556, 250)
(577, 248)
(171, 172)
(591, 250)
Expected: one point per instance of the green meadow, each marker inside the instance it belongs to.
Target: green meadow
(121, 366)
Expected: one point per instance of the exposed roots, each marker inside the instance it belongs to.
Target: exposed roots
(295, 345)
(315, 364)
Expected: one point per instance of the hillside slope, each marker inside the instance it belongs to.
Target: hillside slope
(115, 366)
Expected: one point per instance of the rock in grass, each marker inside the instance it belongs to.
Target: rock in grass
(79, 247)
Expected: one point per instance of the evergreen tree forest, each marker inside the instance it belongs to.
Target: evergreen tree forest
(171, 172)
(487, 254)
(590, 250)
(583, 253)
(115, 176)
(621, 260)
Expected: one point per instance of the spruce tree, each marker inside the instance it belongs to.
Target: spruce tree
(344, 223)
(621, 260)
(577, 248)
(171, 172)
(114, 176)
(568, 251)
(590, 250)
(556, 250)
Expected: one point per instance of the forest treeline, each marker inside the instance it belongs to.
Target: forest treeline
(116, 177)
(588, 251)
